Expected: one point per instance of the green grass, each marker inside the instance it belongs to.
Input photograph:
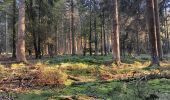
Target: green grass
(107, 91)
(97, 60)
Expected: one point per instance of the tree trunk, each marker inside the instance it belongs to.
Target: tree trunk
(167, 44)
(101, 37)
(90, 35)
(152, 32)
(95, 29)
(35, 43)
(39, 46)
(6, 34)
(157, 21)
(96, 38)
(85, 44)
(137, 42)
(33, 24)
(104, 34)
(56, 38)
(21, 57)
(14, 30)
(72, 27)
(115, 34)
(39, 40)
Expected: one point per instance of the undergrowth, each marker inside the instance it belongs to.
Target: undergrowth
(87, 78)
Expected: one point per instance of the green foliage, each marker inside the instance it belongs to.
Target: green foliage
(143, 57)
(160, 84)
(80, 59)
(5, 4)
(121, 91)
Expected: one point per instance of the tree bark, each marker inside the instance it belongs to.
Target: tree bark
(157, 21)
(152, 32)
(39, 30)
(90, 35)
(104, 33)
(85, 44)
(115, 34)
(101, 37)
(72, 27)
(33, 24)
(96, 38)
(21, 57)
(14, 30)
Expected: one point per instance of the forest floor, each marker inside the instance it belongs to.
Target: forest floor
(86, 78)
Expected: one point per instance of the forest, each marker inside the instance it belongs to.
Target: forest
(84, 49)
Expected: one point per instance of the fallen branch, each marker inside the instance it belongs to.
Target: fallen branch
(74, 78)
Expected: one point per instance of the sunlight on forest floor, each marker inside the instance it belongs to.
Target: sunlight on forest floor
(89, 78)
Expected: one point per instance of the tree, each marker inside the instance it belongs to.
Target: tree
(14, 31)
(115, 34)
(21, 57)
(90, 31)
(157, 21)
(33, 22)
(72, 27)
(95, 28)
(152, 32)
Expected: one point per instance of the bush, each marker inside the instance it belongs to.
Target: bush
(3, 72)
(39, 75)
(20, 69)
(105, 73)
(51, 76)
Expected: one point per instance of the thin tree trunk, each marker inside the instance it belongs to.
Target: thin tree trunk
(56, 32)
(95, 29)
(39, 46)
(14, 30)
(39, 37)
(72, 27)
(85, 44)
(96, 38)
(101, 37)
(6, 34)
(104, 35)
(90, 35)
(137, 42)
(70, 35)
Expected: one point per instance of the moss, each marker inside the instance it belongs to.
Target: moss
(109, 91)
(35, 95)
(162, 85)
